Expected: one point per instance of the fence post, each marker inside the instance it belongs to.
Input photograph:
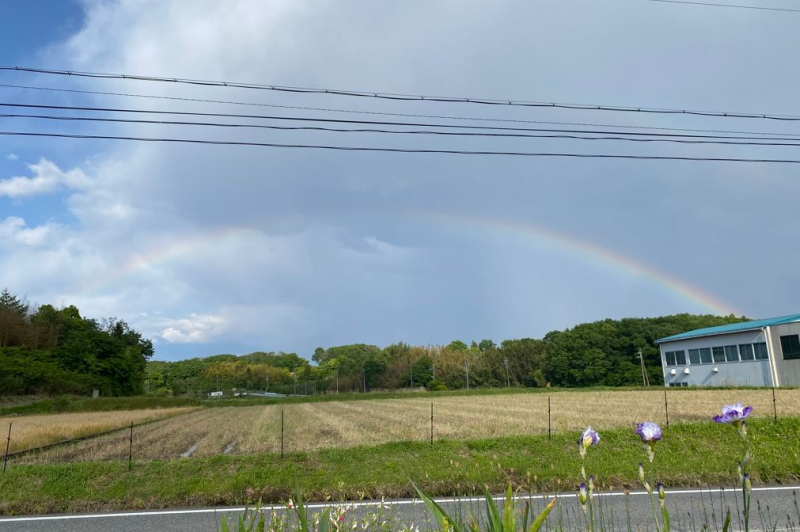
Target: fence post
(666, 406)
(431, 424)
(774, 405)
(549, 427)
(130, 450)
(281, 433)
(8, 444)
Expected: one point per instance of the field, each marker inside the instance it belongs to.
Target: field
(319, 425)
(34, 431)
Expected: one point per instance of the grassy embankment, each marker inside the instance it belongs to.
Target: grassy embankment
(691, 454)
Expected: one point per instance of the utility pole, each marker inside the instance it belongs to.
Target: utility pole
(217, 383)
(364, 371)
(508, 380)
(337, 382)
(267, 390)
(295, 378)
(411, 378)
(466, 369)
(645, 380)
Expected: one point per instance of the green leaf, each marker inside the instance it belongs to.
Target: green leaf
(495, 521)
(325, 521)
(727, 524)
(525, 515)
(539, 521)
(665, 517)
(438, 512)
(224, 524)
(300, 508)
(510, 512)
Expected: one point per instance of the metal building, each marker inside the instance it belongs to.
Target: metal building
(752, 353)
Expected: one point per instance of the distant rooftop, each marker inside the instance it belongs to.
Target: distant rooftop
(732, 327)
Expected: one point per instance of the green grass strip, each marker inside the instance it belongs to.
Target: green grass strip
(691, 454)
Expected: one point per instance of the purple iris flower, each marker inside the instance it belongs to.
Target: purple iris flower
(733, 414)
(589, 437)
(648, 431)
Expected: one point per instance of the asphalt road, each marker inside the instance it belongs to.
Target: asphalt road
(690, 509)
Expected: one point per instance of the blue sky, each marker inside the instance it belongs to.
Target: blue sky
(222, 249)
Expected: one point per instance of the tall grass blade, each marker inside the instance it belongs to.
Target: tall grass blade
(540, 519)
(727, 524)
(444, 520)
(495, 521)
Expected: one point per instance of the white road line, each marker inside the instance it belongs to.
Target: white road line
(404, 502)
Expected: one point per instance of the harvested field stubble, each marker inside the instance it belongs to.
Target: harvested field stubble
(309, 426)
(34, 431)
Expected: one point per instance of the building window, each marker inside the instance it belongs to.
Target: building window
(761, 351)
(676, 358)
(694, 356)
(705, 355)
(678, 384)
(719, 354)
(747, 351)
(790, 345)
(731, 353)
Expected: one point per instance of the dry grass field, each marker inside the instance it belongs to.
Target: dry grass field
(34, 431)
(308, 426)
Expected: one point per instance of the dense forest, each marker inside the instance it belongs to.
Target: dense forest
(57, 351)
(599, 353)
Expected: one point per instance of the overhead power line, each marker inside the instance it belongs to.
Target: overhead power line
(555, 133)
(399, 150)
(402, 97)
(361, 122)
(382, 113)
(737, 6)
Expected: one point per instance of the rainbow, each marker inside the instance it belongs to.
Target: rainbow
(190, 246)
(174, 249)
(596, 253)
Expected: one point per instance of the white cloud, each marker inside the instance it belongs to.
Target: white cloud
(12, 157)
(47, 177)
(14, 230)
(195, 328)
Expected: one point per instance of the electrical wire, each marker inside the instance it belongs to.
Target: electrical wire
(403, 97)
(739, 6)
(400, 150)
(382, 113)
(362, 122)
(740, 141)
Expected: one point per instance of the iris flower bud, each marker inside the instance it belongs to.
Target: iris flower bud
(582, 495)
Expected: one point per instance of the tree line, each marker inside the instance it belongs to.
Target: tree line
(57, 351)
(601, 353)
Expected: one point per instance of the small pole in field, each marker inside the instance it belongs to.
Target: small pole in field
(281, 433)
(548, 418)
(130, 450)
(431, 424)
(774, 405)
(8, 444)
(666, 406)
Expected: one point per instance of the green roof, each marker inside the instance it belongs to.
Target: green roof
(732, 328)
